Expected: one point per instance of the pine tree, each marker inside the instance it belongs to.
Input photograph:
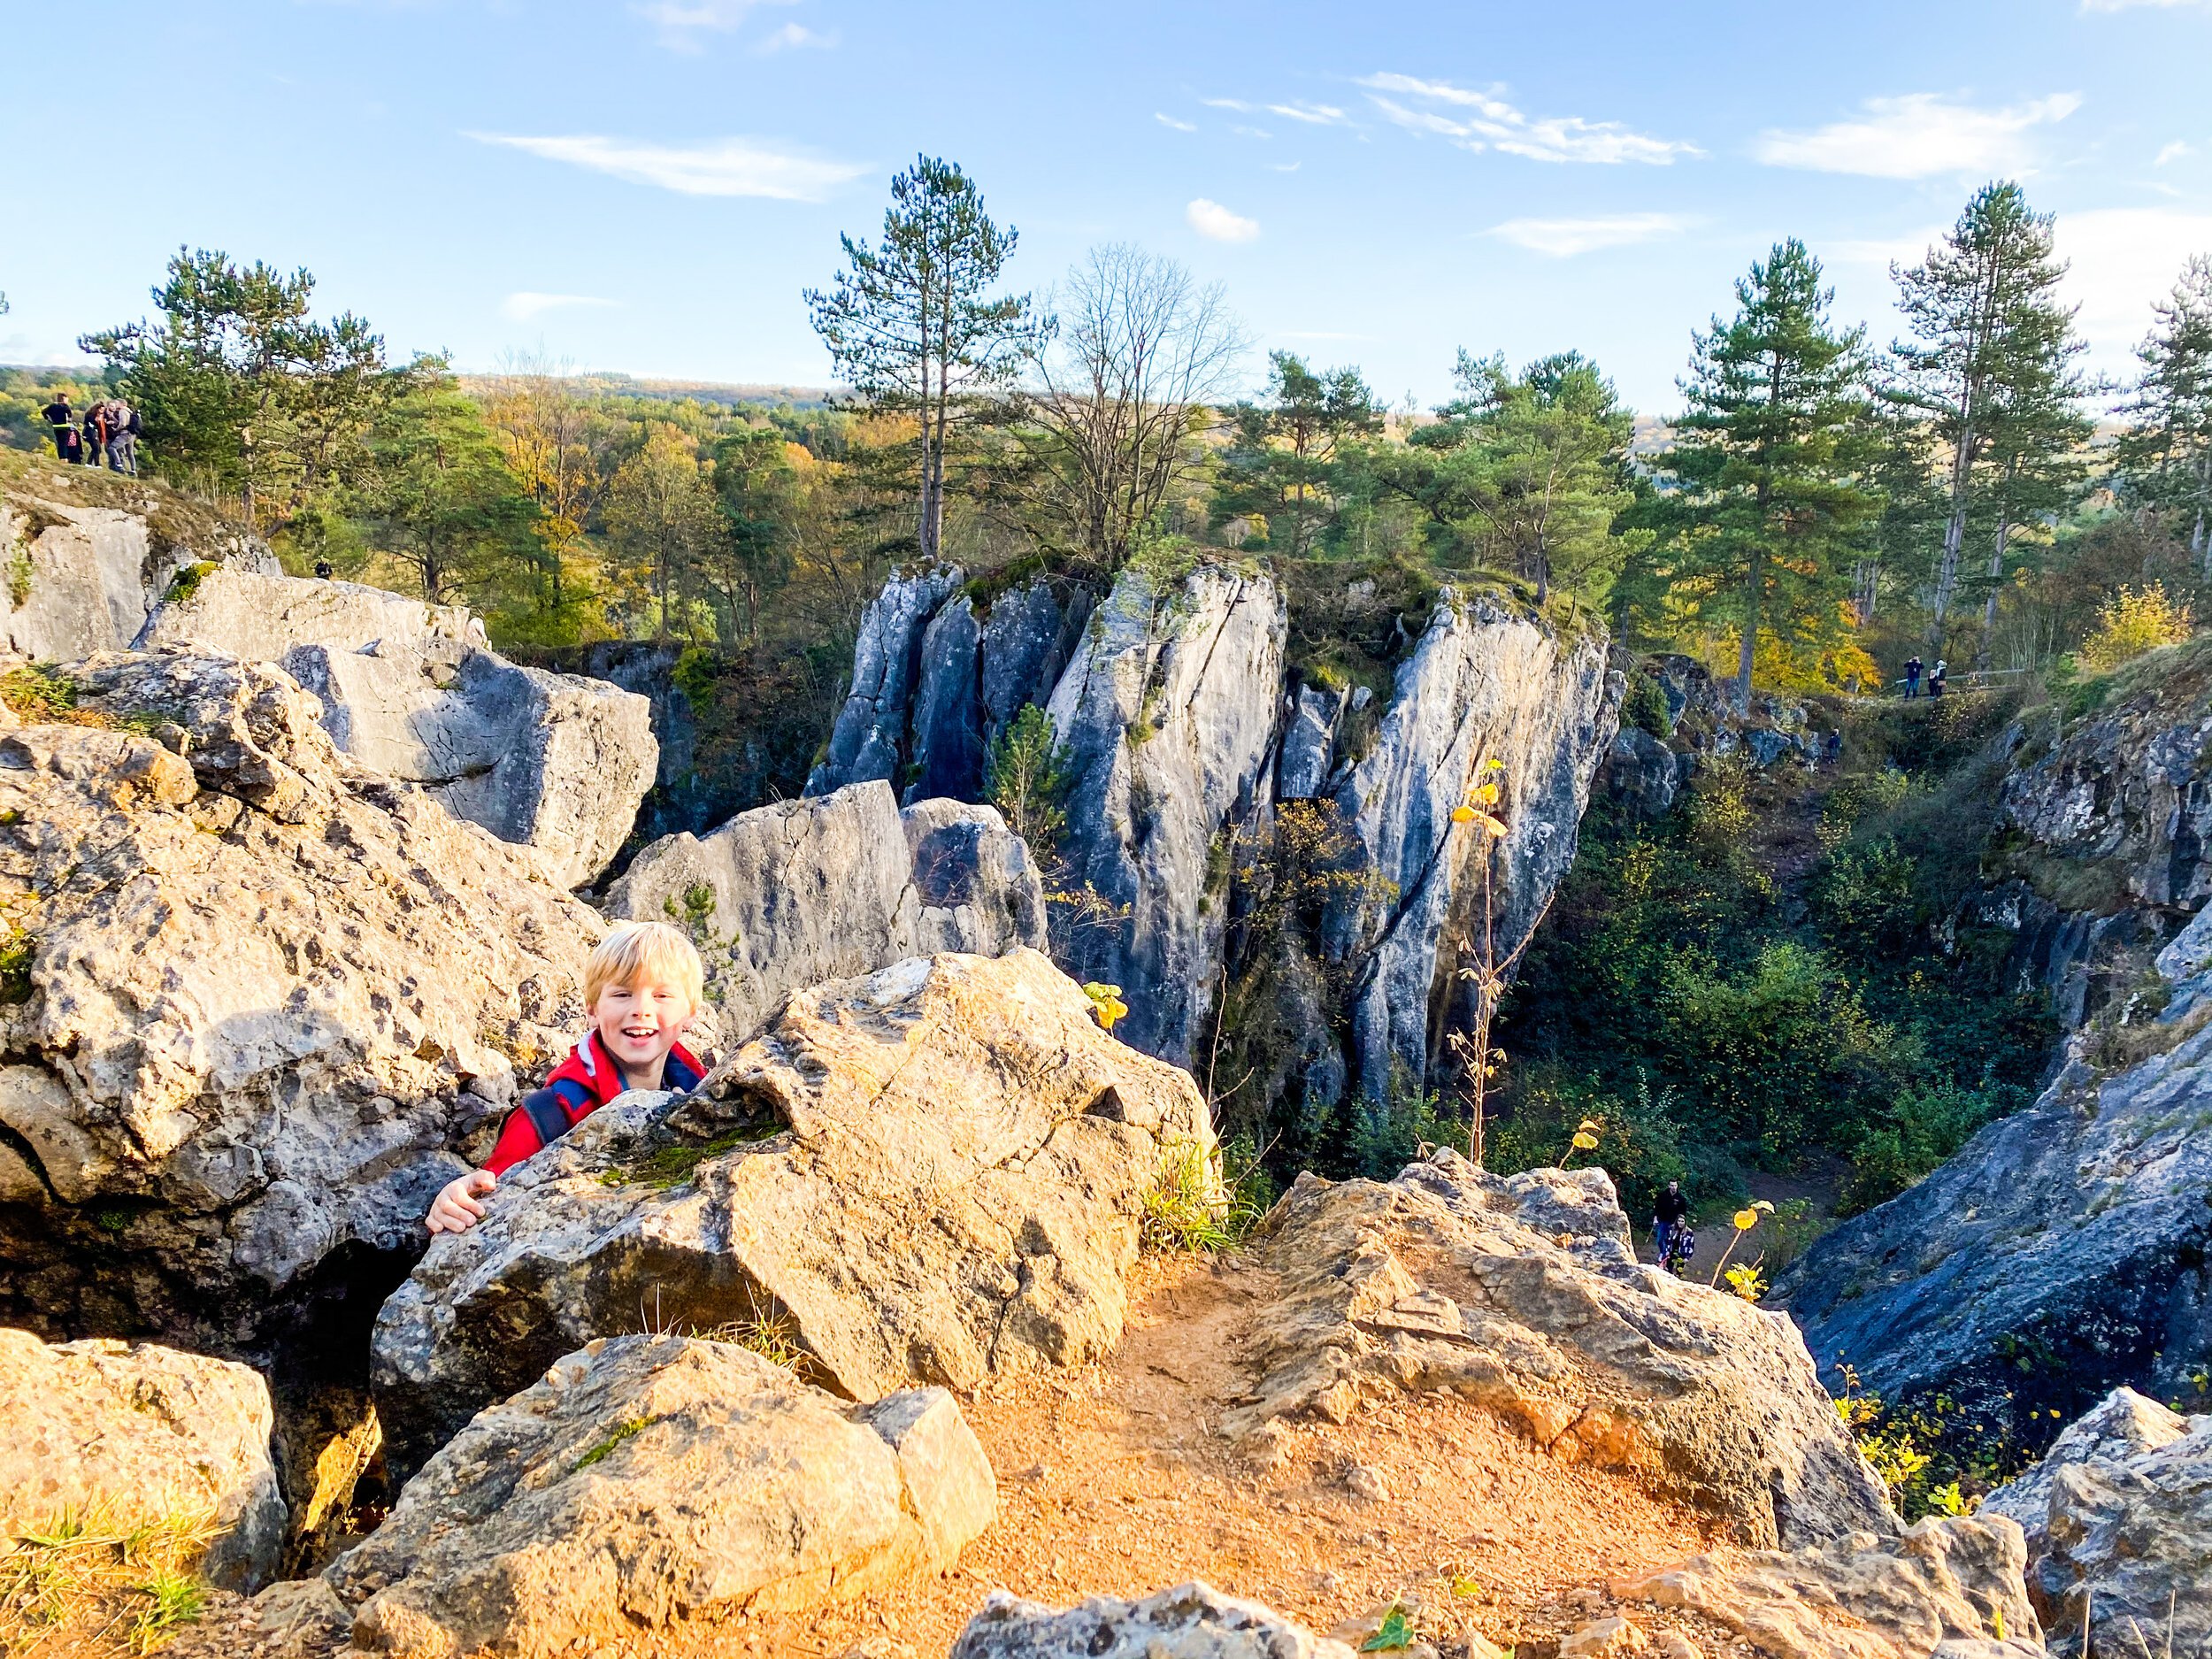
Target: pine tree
(1281, 462)
(913, 324)
(2167, 457)
(1991, 364)
(1768, 458)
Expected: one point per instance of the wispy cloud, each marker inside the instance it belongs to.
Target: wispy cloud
(792, 35)
(1238, 104)
(523, 306)
(1216, 223)
(1920, 135)
(1169, 120)
(681, 23)
(2174, 151)
(1282, 167)
(1251, 132)
(726, 166)
(1564, 238)
(1312, 114)
(1485, 120)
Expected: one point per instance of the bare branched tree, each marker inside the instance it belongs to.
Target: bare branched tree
(1140, 355)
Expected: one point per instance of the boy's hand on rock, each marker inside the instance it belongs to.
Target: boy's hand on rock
(458, 1207)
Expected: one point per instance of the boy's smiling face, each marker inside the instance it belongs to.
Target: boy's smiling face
(638, 1024)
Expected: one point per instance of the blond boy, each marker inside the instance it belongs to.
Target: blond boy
(642, 987)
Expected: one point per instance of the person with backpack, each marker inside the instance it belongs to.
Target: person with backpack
(643, 985)
(62, 421)
(1671, 1230)
(1936, 681)
(123, 430)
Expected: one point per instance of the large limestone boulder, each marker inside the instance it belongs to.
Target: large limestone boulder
(869, 734)
(1523, 1294)
(1946, 1586)
(1168, 713)
(792, 894)
(556, 762)
(2059, 1255)
(2118, 1525)
(128, 1435)
(1483, 682)
(930, 1175)
(650, 1478)
(1191, 1621)
(258, 1008)
(87, 559)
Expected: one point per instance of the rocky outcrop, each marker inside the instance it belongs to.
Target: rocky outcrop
(1642, 775)
(928, 1175)
(1951, 1587)
(123, 1435)
(937, 672)
(258, 1008)
(791, 894)
(2118, 1522)
(1167, 715)
(2060, 1253)
(869, 739)
(1309, 745)
(1191, 1621)
(556, 762)
(650, 1478)
(83, 578)
(1483, 682)
(1523, 1294)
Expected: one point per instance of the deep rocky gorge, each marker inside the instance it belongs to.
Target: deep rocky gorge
(291, 889)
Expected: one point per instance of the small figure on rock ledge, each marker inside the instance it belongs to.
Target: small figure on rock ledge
(642, 988)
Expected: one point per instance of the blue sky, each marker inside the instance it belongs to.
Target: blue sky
(647, 186)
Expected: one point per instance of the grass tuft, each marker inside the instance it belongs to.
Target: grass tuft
(87, 1580)
(1189, 1209)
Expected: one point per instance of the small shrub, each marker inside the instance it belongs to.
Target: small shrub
(20, 577)
(1189, 1209)
(38, 692)
(1645, 706)
(187, 581)
(2131, 622)
(16, 955)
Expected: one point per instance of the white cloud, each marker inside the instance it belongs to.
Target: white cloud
(681, 22)
(1312, 114)
(791, 35)
(727, 167)
(1283, 167)
(1238, 104)
(1216, 223)
(1564, 238)
(1490, 122)
(2174, 151)
(1169, 120)
(1919, 135)
(2122, 259)
(523, 306)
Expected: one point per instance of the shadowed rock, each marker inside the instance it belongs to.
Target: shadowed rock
(1192, 1621)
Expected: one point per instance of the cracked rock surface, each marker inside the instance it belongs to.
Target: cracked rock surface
(647, 1477)
(265, 1004)
(932, 1173)
(1521, 1293)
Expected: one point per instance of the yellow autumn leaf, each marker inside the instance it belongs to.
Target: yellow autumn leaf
(1462, 815)
(1485, 795)
(1488, 823)
(1746, 1220)
(1584, 1141)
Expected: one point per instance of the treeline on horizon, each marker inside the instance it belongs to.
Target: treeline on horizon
(1817, 509)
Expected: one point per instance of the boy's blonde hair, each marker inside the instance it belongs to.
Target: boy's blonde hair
(635, 952)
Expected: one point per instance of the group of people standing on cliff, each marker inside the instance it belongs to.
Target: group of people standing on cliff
(1936, 682)
(106, 432)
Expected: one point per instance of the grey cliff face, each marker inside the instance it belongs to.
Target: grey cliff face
(556, 762)
(1168, 717)
(83, 579)
(790, 894)
(868, 740)
(2061, 1253)
(1482, 683)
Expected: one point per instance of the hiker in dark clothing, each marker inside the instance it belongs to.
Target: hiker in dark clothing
(1670, 1226)
(1936, 679)
(95, 433)
(1912, 678)
(62, 420)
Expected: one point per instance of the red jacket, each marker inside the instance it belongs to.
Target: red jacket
(580, 1086)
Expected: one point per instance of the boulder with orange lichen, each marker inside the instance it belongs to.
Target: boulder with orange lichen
(1522, 1294)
